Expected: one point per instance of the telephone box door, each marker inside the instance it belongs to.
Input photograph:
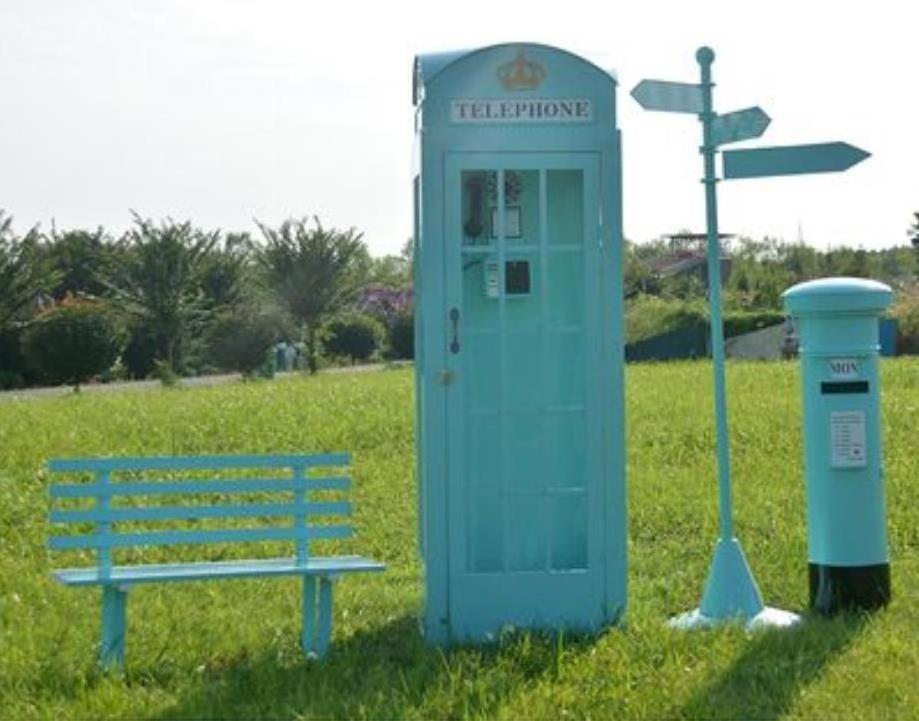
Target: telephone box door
(524, 423)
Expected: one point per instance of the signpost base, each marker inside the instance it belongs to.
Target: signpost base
(767, 618)
(731, 595)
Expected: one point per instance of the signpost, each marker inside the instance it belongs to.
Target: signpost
(731, 592)
(669, 97)
(740, 125)
(791, 160)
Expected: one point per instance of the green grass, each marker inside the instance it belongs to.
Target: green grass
(221, 650)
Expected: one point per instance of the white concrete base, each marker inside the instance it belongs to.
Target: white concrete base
(767, 618)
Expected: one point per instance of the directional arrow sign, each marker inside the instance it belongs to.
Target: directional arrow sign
(671, 97)
(740, 125)
(791, 160)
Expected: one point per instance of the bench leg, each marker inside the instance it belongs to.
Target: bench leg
(317, 626)
(325, 615)
(111, 654)
(308, 639)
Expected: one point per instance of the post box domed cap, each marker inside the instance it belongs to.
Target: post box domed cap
(837, 295)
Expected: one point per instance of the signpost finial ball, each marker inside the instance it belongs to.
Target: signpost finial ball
(705, 55)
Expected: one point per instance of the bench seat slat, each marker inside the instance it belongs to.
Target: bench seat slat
(232, 535)
(176, 513)
(158, 488)
(329, 565)
(204, 463)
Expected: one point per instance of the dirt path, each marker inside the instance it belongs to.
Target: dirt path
(147, 385)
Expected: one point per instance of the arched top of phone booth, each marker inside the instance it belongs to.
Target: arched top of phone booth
(518, 84)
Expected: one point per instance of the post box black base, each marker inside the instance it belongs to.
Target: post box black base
(848, 588)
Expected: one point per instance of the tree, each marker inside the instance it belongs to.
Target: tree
(24, 277)
(82, 259)
(73, 341)
(157, 281)
(313, 272)
(226, 272)
(914, 231)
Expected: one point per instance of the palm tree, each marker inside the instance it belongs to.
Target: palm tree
(313, 272)
(157, 280)
(24, 277)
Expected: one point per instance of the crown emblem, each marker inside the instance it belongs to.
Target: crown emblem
(521, 74)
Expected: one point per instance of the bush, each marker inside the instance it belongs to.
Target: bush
(906, 312)
(14, 369)
(648, 316)
(402, 335)
(740, 322)
(240, 339)
(354, 335)
(73, 341)
(139, 356)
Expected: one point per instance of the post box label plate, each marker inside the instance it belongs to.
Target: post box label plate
(847, 439)
(843, 368)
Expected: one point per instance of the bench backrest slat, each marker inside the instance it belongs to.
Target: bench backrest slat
(104, 528)
(193, 463)
(188, 513)
(230, 535)
(301, 497)
(157, 488)
(217, 487)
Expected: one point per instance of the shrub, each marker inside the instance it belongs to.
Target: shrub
(139, 355)
(240, 339)
(73, 341)
(402, 335)
(14, 369)
(906, 312)
(648, 316)
(740, 322)
(165, 374)
(353, 335)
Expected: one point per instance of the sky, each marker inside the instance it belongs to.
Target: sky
(225, 111)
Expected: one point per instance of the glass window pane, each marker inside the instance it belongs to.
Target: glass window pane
(568, 550)
(526, 538)
(486, 538)
(565, 198)
(521, 207)
(475, 216)
(565, 288)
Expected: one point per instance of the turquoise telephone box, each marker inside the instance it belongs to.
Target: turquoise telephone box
(519, 348)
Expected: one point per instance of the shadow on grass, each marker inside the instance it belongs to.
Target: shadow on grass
(385, 672)
(774, 668)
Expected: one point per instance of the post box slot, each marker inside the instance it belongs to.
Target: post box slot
(841, 387)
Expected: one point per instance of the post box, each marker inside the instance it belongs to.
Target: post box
(837, 321)
(519, 342)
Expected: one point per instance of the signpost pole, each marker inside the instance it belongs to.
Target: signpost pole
(730, 590)
(705, 57)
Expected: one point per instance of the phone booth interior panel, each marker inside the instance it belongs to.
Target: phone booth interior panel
(519, 343)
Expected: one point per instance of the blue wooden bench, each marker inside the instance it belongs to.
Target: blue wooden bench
(200, 500)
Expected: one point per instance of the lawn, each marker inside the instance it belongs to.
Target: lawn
(222, 650)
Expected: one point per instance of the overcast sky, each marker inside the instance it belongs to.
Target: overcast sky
(221, 111)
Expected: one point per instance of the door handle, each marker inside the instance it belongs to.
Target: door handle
(454, 321)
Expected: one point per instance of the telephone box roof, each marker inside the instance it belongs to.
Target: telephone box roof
(428, 65)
